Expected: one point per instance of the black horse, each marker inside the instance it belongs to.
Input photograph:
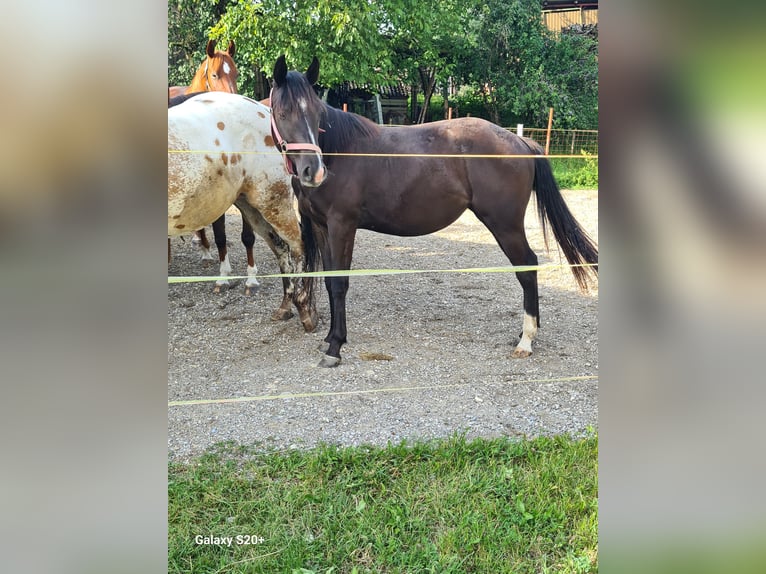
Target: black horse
(354, 179)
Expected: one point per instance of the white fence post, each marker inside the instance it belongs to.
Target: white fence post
(520, 130)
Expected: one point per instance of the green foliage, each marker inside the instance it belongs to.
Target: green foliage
(571, 81)
(518, 69)
(343, 34)
(508, 38)
(510, 68)
(468, 101)
(575, 173)
(446, 506)
(189, 24)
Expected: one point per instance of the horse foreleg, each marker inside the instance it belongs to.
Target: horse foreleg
(341, 248)
(325, 344)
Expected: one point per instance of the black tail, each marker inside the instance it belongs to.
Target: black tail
(578, 248)
(313, 259)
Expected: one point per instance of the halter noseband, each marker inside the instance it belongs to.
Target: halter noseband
(284, 147)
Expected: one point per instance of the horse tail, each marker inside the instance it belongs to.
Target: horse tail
(312, 257)
(578, 248)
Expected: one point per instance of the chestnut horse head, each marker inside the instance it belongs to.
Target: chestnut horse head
(217, 73)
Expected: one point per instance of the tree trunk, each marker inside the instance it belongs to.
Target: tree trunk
(490, 103)
(428, 80)
(445, 93)
(414, 100)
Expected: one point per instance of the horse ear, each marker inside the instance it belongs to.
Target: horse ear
(280, 71)
(210, 49)
(312, 74)
(231, 49)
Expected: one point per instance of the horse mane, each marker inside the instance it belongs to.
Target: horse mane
(339, 128)
(174, 101)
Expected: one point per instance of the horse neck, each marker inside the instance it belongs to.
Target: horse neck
(199, 83)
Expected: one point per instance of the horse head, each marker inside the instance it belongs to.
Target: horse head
(217, 73)
(296, 113)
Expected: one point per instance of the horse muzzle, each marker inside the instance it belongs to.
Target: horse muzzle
(311, 175)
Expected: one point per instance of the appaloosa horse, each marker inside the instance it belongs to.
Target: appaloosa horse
(410, 181)
(220, 152)
(217, 73)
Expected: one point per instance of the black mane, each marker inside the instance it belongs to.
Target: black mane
(341, 129)
(181, 99)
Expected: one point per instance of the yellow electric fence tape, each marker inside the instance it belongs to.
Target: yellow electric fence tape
(432, 155)
(370, 272)
(193, 402)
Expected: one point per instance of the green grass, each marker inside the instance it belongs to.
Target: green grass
(451, 506)
(576, 173)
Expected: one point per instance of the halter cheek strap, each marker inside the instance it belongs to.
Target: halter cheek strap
(285, 147)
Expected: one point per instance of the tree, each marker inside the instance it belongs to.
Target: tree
(189, 22)
(344, 34)
(520, 69)
(498, 50)
(571, 71)
(427, 39)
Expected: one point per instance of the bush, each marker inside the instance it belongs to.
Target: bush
(576, 173)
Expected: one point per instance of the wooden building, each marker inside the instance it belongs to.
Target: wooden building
(382, 104)
(559, 15)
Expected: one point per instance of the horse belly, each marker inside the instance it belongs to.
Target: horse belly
(419, 205)
(197, 199)
(420, 216)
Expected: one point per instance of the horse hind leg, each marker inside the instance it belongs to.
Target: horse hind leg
(513, 241)
(286, 265)
(201, 242)
(281, 251)
(219, 233)
(282, 234)
(248, 240)
(528, 281)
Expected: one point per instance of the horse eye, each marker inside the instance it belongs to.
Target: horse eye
(215, 76)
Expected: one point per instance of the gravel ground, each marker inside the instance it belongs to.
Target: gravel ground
(428, 355)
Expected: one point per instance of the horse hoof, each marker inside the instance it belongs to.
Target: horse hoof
(252, 289)
(282, 315)
(520, 353)
(222, 288)
(329, 361)
(323, 347)
(309, 324)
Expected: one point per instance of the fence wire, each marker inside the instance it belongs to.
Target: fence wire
(565, 142)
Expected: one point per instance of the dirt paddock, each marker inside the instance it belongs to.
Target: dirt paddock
(428, 354)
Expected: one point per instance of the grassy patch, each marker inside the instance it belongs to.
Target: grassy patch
(576, 173)
(449, 506)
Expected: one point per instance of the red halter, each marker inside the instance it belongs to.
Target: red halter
(284, 147)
